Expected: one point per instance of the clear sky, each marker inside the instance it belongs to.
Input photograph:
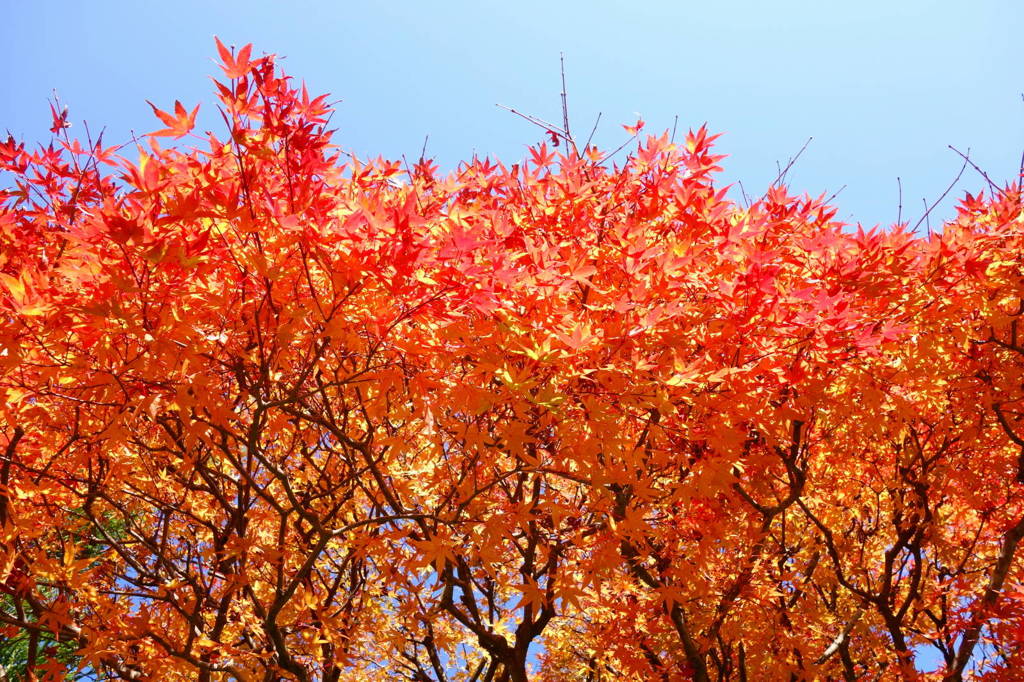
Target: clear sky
(883, 87)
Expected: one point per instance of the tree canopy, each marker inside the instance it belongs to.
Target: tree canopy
(273, 412)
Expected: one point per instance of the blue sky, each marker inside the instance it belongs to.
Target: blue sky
(883, 87)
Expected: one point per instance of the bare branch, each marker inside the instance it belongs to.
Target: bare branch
(789, 165)
(941, 196)
(967, 159)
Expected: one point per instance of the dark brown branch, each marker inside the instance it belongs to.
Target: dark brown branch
(988, 600)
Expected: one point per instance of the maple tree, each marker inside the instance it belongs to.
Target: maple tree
(274, 412)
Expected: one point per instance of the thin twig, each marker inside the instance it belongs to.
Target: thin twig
(550, 127)
(1020, 177)
(565, 105)
(943, 196)
(675, 122)
(743, 191)
(899, 209)
(408, 171)
(835, 194)
(782, 172)
(966, 158)
(592, 131)
(618, 149)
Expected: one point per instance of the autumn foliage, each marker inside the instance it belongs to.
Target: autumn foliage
(272, 412)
